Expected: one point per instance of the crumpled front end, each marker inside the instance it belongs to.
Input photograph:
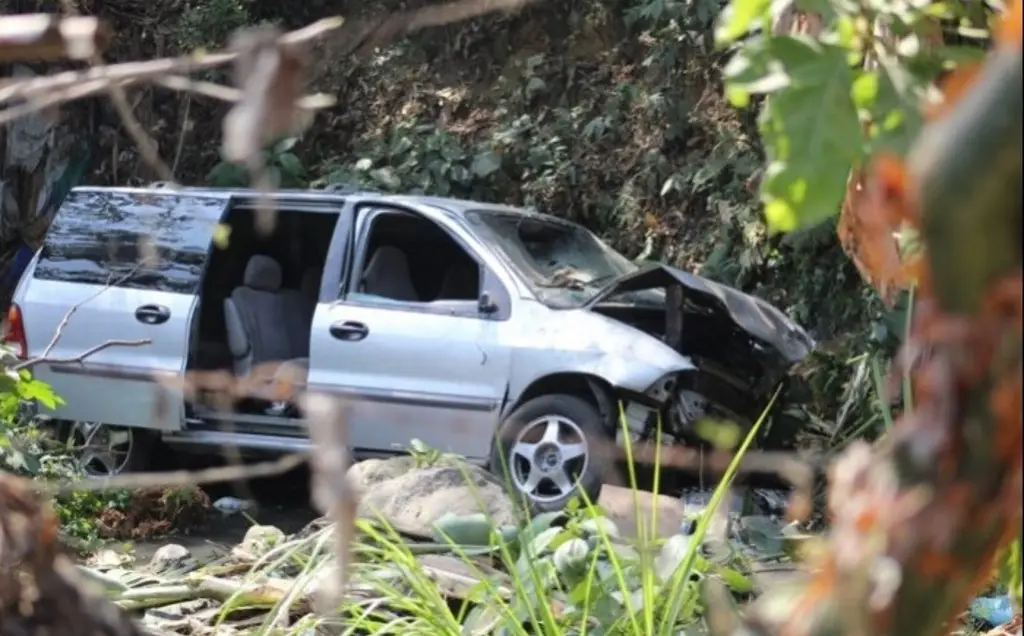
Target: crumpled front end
(741, 347)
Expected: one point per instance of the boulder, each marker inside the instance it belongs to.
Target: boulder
(620, 505)
(367, 473)
(258, 541)
(171, 557)
(411, 499)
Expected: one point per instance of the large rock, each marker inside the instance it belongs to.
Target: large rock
(258, 541)
(620, 505)
(171, 557)
(411, 499)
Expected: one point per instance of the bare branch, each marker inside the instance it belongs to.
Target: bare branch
(28, 364)
(40, 36)
(365, 35)
(332, 494)
(62, 325)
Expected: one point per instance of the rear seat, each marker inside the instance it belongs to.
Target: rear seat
(268, 327)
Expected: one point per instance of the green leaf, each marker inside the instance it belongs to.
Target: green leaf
(227, 175)
(599, 527)
(543, 521)
(544, 540)
(486, 163)
(752, 71)
(290, 164)
(418, 446)
(471, 530)
(865, 90)
(740, 17)
(672, 555)
(386, 177)
(1012, 573)
(812, 135)
(285, 145)
(571, 555)
(738, 97)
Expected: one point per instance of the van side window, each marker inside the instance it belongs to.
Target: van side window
(155, 241)
(411, 259)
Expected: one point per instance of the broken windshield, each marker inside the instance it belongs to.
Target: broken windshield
(564, 264)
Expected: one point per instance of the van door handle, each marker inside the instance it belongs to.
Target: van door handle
(152, 314)
(349, 330)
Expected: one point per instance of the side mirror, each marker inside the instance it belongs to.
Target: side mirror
(485, 304)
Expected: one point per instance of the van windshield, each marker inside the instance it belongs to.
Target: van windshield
(564, 264)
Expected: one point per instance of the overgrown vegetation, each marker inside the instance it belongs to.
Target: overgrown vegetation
(86, 517)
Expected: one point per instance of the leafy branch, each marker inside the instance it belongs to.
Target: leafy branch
(840, 92)
(918, 522)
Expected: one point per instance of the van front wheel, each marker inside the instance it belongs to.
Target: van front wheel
(551, 448)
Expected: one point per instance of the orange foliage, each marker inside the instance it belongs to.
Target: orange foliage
(1008, 29)
(872, 214)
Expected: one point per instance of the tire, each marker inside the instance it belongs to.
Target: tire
(578, 427)
(135, 458)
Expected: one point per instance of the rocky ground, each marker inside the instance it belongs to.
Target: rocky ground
(274, 558)
(440, 547)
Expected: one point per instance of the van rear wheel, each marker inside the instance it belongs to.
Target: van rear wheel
(102, 450)
(551, 448)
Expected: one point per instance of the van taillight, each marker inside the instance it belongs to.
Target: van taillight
(14, 333)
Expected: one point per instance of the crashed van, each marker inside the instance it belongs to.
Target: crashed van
(506, 336)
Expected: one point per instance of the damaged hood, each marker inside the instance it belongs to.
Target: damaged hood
(753, 315)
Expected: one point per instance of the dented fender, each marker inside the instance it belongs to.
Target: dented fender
(597, 348)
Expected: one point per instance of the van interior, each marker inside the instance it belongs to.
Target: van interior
(260, 292)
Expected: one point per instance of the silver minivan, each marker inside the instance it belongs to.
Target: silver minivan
(503, 335)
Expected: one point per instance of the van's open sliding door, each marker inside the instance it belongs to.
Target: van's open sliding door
(119, 271)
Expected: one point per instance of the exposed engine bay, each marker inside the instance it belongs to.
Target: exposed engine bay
(742, 348)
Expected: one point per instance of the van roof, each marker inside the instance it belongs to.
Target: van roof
(455, 206)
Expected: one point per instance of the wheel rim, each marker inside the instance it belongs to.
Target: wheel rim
(102, 450)
(548, 457)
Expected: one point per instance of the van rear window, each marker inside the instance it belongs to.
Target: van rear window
(156, 241)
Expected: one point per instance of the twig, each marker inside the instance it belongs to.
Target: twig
(332, 493)
(45, 92)
(35, 37)
(147, 145)
(70, 85)
(59, 331)
(185, 127)
(28, 364)
(232, 94)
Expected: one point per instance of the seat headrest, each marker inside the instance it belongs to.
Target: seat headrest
(387, 260)
(262, 273)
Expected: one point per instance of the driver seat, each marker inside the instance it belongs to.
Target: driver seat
(387, 275)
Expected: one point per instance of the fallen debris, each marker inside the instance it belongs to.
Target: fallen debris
(462, 549)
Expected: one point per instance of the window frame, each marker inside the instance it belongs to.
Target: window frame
(364, 215)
